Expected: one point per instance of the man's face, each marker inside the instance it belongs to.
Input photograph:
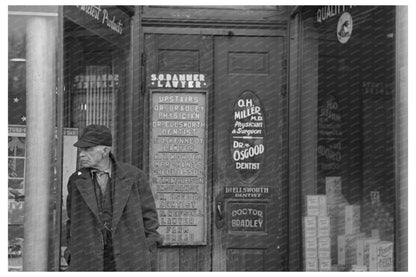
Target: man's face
(91, 156)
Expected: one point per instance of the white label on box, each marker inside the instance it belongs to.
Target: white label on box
(309, 226)
(324, 243)
(311, 254)
(325, 264)
(312, 205)
(316, 205)
(381, 256)
(311, 248)
(311, 243)
(326, 254)
(324, 226)
(311, 264)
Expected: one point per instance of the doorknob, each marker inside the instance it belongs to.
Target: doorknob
(219, 211)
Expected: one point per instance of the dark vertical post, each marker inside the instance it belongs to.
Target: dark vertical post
(294, 145)
(137, 109)
(60, 137)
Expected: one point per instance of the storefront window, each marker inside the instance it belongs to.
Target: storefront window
(352, 50)
(23, 22)
(91, 79)
(16, 138)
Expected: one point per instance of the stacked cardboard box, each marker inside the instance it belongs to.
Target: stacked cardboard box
(316, 205)
(347, 248)
(348, 235)
(310, 245)
(324, 253)
(335, 203)
(311, 264)
(349, 220)
(381, 256)
(363, 251)
(316, 234)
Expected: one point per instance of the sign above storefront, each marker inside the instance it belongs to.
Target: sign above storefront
(178, 80)
(326, 12)
(103, 15)
(344, 27)
(108, 22)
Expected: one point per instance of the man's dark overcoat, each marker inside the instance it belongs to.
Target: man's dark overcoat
(134, 221)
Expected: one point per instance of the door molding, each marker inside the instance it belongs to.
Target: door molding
(214, 31)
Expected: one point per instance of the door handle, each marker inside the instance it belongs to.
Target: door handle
(219, 211)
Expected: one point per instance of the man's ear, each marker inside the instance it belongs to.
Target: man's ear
(107, 150)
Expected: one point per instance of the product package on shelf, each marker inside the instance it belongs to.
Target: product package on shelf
(316, 205)
(377, 215)
(309, 226)
(381, 256)
(311, 264)
(315, 225)
(347, 248)
(349, 220)
(310, 243)
(324, 226)
(335, 203)
(324, 264)
(363, 249)
(324, 248)
(311, 248)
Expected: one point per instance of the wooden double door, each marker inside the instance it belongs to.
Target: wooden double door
(246, 207)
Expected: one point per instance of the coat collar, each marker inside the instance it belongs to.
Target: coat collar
(122, 187)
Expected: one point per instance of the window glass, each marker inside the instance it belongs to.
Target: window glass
(16, 138)
(354, 77)
(91, 79)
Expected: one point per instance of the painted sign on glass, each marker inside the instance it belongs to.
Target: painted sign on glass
(247, 217)
(247, 135)
(178, 165)
(329, 136)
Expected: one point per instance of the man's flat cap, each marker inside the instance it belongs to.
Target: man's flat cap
(93, 135)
